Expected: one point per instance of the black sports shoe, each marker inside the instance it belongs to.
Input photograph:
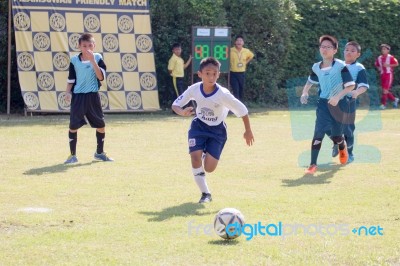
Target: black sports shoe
(205, 197)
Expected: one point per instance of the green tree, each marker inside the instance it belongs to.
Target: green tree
(172, 22)
(16, 99)
(267, 28)
(368, 22)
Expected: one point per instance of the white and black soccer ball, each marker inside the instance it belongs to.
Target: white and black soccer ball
(231, 218)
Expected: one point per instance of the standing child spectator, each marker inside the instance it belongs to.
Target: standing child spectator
(176, 68)
(385, 63)
(352, 52)
(86, 70)
(335, 82)
(240, 57)
(207, 133)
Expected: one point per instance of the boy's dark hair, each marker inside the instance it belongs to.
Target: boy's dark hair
(239, 37)
(209, 61)
(355, 44)
(86, 37)
(330, 39)
(176, 45)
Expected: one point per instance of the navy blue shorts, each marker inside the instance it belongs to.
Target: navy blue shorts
(350, 110)
(329, 118)
(207, 138)
(86, 105)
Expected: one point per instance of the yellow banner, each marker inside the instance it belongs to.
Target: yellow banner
(46, 36)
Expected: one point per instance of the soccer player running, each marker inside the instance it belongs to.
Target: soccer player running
(207, 134)
(335, 82)
(352, 52)
(385, 64)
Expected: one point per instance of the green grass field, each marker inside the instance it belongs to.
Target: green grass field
(142, 208)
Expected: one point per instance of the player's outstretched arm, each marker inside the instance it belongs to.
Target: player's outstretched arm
(248, 134)
(188, 111)
(188, 62)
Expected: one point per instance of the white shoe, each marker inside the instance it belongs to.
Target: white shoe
(396, 102)
(382, 107)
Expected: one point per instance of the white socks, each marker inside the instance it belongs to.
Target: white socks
(200, 178)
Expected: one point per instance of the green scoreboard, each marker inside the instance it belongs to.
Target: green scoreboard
(211, 41)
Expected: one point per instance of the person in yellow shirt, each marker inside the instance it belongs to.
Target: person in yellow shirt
(240, 57)
(176, 68)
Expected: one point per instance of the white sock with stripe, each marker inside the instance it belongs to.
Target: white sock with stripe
(200, 178)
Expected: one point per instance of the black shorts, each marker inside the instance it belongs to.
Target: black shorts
(89, 105)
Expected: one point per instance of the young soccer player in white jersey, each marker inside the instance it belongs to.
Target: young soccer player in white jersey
(207, 133)
(352, 52)
(335, 82)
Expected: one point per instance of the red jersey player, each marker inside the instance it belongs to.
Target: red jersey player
(385, 64)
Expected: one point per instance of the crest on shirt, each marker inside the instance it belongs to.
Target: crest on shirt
(207, 114)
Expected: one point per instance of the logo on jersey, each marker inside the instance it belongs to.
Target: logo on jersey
(207, 114)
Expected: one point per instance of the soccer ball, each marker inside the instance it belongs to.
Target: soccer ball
(232, 217)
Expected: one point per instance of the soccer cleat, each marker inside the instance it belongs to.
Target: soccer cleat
(71, 159)
(351, 159)
(343, 155)
(396, 102)
(382, 107)
(103, 157)
(311, 169)
(205, 198)
(335, 150)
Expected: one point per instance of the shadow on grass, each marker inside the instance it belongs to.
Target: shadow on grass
(183, 210)
(57, 168)
(324, 173)
(224, 242)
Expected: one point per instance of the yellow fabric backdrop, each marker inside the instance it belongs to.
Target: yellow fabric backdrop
(46, 35)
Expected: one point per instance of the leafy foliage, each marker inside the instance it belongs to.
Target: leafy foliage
(174, 25)
(16, 99)
(283, 34)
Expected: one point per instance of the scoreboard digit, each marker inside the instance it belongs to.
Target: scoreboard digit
(211, 41)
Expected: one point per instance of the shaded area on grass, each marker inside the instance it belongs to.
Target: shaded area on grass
(324, 173)
(224, 242)
(182, 210)
(57, 168)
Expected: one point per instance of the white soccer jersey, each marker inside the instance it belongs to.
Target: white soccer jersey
(212, 108)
